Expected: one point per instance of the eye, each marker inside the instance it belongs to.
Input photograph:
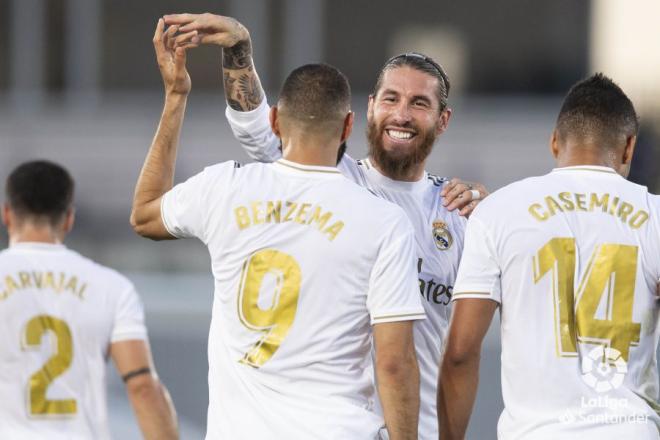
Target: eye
(389, 98)
(421, 104)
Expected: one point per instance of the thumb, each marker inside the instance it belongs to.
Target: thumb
(180, 58)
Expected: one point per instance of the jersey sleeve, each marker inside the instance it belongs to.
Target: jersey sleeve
(129, 317)
(252, 129)
(393, 287)
(479, 274)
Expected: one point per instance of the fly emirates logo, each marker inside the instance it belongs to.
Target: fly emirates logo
(431, 290)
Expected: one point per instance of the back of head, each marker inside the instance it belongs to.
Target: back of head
(597, 112)
(40, 191)
(315, 97)
(424, 64)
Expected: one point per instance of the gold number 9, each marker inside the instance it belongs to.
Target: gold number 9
(275, 321)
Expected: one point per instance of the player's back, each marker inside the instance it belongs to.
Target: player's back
(579, 250)
(304, 262)
(59, 313)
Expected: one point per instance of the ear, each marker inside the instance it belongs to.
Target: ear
(443, 121)
(6, 215)
(370, 106)
(629, 150)
(69, 220)
(554, 145)
(274, 122)
(348, 126)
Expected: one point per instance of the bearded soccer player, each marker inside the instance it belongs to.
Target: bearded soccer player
(308, 267)
(61, 316)
(407, 112)
(573, 261)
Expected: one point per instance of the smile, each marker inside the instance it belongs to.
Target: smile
(400, 135)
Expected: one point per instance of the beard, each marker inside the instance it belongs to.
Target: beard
(397, 165)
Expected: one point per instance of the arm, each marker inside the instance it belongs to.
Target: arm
(397, 376)
(247, 109)
(464, 196)
(157, 175)
(459, 376)
(150, 400)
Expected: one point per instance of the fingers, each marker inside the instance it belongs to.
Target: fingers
(449, 186)
(158, 39)
(169, 37)
(179, 19)
(458, 196)
(184, 38)
(180, 58)
(467, 209)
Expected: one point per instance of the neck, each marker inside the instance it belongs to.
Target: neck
(409, 174)
(575, 155)
(29, 233)
(307, 150)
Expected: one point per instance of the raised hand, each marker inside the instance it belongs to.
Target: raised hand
(464, 196)
(207, 28)
(171, 60)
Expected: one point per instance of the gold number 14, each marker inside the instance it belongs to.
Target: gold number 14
(611, 271)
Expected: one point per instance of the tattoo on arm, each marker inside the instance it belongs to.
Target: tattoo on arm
(238, 56)
(242, 87)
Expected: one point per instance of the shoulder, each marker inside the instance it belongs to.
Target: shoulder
(104, 275)
(509, 194)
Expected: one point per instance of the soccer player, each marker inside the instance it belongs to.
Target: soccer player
(61, 317)
(407, 112)
(572, 259)
(308, 267)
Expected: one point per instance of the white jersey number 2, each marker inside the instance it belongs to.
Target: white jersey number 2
(38, 404)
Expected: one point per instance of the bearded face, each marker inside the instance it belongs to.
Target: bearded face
(403, 122)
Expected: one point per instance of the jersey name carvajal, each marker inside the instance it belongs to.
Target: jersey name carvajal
(574, 259)
(305, 262)
(59, 313)
(438, 238)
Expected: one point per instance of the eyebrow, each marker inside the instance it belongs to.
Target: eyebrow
(414, 98)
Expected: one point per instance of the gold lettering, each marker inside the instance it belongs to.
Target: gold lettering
(10, 285)
(321, 220)
(333, 230)
(38, 278)
(595, 202)
(615, 202)
(534, 210)
(568, 203)
(292, 207)
(60, 285)
(25, 280)
(242, 217)
(302, 213)
(257, 213)
(273, 210)
(553, 206)
(49, 281)
(72, 285)
(637, 220)
(579, 199)
(82, 290)
(624, 210)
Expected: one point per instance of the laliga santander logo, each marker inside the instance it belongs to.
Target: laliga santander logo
(603, 369)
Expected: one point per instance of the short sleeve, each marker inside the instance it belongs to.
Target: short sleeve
(181, 208)
(252, 129)
(393, 286)
(479, 274)
(129, 317)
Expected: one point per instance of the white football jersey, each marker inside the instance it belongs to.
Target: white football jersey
(59, 313)
(438, 237)
(573, 257)
(305, 262)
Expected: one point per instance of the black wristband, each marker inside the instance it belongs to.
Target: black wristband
(132, 374)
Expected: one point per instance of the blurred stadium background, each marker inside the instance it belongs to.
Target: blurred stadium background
(79, 85)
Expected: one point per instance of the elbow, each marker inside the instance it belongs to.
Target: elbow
(144, 387)
(140, 225)
(457, 355)
(397, 367)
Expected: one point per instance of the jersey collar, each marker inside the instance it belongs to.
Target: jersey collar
(307, 170)
(380, 179)
(38, 246)
(596, 168)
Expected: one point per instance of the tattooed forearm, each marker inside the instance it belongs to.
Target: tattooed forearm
(243, 90)
(238, 56)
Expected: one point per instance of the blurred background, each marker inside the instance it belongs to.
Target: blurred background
(79, 85)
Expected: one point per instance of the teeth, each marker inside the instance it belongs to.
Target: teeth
(400, 134)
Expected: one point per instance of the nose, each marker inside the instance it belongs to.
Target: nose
(401, 114)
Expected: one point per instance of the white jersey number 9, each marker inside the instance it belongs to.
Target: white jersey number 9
(38, 404)
(611, 271)
(275, 320)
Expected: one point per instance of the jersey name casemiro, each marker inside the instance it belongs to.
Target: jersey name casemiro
(305, 262)
(438, 238)
(574, 258)
(59, 313)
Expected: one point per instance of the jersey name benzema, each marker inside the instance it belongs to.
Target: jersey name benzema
(574, 260)
(305, 262)
(59, 313)
(438, 238)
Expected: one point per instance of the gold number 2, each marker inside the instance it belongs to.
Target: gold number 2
(611, 271)
(39, 382)
(276, 320)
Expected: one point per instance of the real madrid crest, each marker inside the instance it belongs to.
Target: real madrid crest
(441, 235)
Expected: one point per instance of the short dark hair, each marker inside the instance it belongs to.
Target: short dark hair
(597, 108)
(316, 93)
(40, 189)
(423, 63)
